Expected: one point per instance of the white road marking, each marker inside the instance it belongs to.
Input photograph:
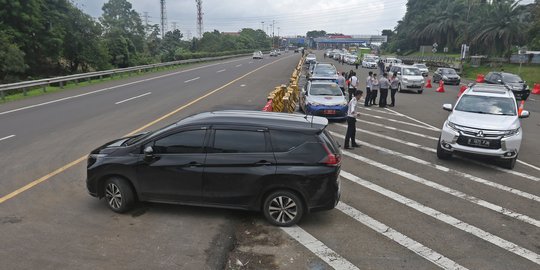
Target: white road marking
(452, 221)
(190, 80)
(114, 87)
(251, 62)
(397, 129)
(219, 71)
(239, 65)
(318, 248)
(414, 119)
(7, 137)
(445, 189)
(242, 85)
(125, 100)
(379, 111)
(527, 164)
(400, 238)
(448, 170)
(532, 99)
(433, 150)
(399, 122)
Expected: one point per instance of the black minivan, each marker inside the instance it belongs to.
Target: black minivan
(284, 165)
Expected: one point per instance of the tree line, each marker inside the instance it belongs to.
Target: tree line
(43, 38)
(497, 27)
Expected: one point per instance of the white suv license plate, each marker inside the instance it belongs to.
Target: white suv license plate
(478, 142)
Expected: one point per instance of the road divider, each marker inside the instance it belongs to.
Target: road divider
(285, 98)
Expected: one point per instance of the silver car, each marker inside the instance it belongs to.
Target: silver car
(485, 121)
(410, 78)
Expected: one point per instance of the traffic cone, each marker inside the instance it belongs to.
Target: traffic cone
(462, 89)
(536, 89)
(480, 78)
(428, 84)
(520, 109)
(440, 89)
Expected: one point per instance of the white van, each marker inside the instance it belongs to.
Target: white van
(410, 78)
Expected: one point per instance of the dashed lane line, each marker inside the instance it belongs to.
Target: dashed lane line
(219, 71)
(335, 260)
(7, 137)
(450, 220)
(132, 98)
(399, 122)
(416, 247)
(190, 80)
(448, 170)
(414, 119)
(445, 189)
(398, 129)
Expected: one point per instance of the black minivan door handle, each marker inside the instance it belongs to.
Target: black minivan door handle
(263, 163)
(194, 164)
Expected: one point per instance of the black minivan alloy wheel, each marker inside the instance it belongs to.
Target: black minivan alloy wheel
(118, 194)
(283, 208)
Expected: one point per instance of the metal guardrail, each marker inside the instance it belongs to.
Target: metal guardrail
(26, 85)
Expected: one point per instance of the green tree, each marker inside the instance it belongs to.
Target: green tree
(11, 59)
(445, 25)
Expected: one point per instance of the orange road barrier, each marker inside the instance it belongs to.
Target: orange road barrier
(462, 89)
(536, 89)
(520, 109)
(268, 107)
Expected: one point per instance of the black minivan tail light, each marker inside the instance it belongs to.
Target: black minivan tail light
(330, 159)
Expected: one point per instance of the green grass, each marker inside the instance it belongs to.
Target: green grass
(529, 73)
(72, 85)
(454, 55)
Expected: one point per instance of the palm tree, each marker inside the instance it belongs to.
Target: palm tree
(498, 27)
(445, 25)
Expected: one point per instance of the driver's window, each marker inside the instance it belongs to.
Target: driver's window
(184, 142)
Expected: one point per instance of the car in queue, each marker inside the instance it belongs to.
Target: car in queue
(485, 121)
(369, 62)
(410, 78)
(447, 75)
(423, 68)
(311, 58)
(323, 98)
(273, 53)
(512, 81)
(257, 55)
(284, 165)
(323, 71)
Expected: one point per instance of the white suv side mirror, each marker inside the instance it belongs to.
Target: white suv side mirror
(524, 114)
(447, 107)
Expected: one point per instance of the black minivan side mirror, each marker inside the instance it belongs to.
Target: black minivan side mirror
(148, 151)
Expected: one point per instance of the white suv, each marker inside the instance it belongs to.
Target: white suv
(485, 121)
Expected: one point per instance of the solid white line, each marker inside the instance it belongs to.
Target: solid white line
(114, 87)
(120, 102)
(530, 165)
(448, 170)
(433, 150)
(504, 244)
(397, 129)
(239, 65)
(450, 191)
(190, 80)
(378, 111)
(7, 137)
(416, 120)
(219, 71)
(318, 248)
(399, 122)
(400, 238)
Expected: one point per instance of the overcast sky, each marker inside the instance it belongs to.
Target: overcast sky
(293, 17)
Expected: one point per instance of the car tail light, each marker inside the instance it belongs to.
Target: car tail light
(330, 159)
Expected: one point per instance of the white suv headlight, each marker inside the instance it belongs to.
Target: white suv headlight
(452, 126)
(511, 132)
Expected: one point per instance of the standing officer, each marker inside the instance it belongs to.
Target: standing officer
(394, 82)
(367, 99)
(384, 84)
(350, 136)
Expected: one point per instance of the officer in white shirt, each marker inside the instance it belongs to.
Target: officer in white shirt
(368, 89)
(353, 85)
(350, 136)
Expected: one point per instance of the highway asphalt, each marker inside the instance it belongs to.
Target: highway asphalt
(401, 207)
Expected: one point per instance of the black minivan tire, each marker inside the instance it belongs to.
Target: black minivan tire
(283, 208)
(118, 194)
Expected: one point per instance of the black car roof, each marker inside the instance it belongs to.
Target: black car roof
(258, 119)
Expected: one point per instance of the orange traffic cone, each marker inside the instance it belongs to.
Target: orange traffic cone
(428, 84)
(462, 89)
(520, 109)
(480, 78)
(536, 89)
(440, 89)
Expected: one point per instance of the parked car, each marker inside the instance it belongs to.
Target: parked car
(410, 78)
(284, 165)
(390, 61)
(485, 121)
(351, 59)
(447, 75)
(258, 55)
(423, 68)
(512, 81)
(323, 98)
(273, 53)
(310, 58)
(324, 71)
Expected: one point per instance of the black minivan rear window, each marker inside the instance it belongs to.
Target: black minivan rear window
(285, 141)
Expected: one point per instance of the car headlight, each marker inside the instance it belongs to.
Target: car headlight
(343, 103)
(444, 77)
(452, 126)
(458, 77)
(312, 103)
(97, 156)
(405, 80)
(512, 132)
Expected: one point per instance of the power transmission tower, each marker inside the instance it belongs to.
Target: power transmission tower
(163, 18)
(199, 18)
(145, 16)
(173, 26)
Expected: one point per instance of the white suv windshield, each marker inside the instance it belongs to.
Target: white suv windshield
(486, 105)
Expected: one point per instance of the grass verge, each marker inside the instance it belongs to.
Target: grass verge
(529, 73)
